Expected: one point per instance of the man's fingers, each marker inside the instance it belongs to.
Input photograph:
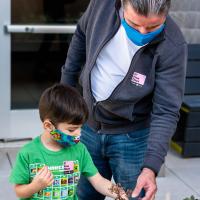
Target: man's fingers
(137, 190)
(150, 193)
(153, 197)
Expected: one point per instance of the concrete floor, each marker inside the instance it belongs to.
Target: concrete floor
(181, 180)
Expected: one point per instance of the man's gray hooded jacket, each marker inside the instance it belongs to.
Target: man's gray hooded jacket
(131, 106)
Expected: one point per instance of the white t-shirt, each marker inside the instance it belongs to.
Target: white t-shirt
(112, 64)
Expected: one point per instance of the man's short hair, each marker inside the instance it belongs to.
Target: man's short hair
(61, 103)
(148, 7)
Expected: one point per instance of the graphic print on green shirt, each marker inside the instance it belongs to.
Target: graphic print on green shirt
(66, 178)
(66, 166)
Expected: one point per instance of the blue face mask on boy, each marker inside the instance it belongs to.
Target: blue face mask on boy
(64, 139)
(138, 38)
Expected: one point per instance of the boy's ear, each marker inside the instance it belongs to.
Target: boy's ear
(47, 125)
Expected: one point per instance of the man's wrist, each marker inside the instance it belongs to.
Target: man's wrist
(150, 168)
(149, 171)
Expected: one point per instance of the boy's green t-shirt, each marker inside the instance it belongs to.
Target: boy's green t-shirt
(66, 165)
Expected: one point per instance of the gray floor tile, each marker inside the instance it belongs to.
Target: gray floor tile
(171, 187)
(190, 177)
(185, 169)
(175, 161)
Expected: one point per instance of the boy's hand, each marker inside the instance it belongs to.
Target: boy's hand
(43, 179)
(121, 194)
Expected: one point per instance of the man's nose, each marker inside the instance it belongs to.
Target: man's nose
(142, 30)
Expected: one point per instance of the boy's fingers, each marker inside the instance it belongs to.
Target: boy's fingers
(44, 172)
(50, 183)
(51, 177)
(51, 180)
(48, 175)
(41, 171)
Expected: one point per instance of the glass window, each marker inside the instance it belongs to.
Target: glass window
(36, 59)
(47, 11)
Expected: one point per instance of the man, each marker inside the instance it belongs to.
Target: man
(134, 58)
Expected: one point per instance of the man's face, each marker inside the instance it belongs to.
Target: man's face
(142, 23)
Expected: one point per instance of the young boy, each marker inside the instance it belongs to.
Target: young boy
(49, 167)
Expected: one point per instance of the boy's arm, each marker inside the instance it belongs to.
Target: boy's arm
(26, 190)
(43, 179)
(104, 186)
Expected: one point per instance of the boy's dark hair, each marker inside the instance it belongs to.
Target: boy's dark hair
(61, 103)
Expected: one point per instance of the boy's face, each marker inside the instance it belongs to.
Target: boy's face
(69, 129)
(63, 133)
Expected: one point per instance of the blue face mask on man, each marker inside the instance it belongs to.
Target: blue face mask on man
(64, 139)
(138, 38)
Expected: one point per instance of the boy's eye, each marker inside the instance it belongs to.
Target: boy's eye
(71, 131)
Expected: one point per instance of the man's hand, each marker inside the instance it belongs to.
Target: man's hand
(43, 179)
(146, 181)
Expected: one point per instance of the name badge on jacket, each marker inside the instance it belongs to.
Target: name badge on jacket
(138, 79)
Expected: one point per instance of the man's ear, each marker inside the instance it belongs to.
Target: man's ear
(47, 125)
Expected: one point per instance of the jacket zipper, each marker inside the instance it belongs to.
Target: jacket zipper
(95, 58)
(93, 63)
(118, 86)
